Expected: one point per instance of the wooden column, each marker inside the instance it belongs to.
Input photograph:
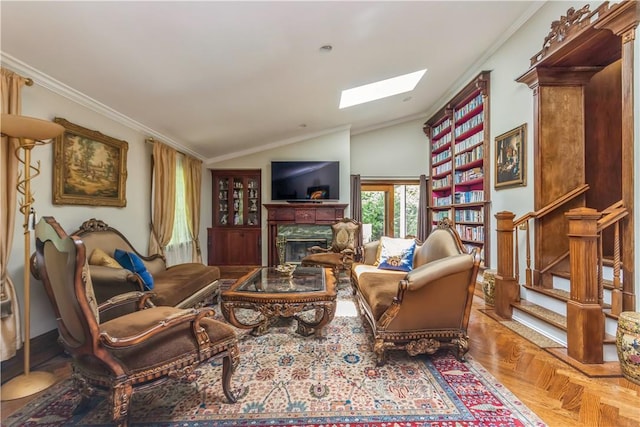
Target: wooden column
(585, 319)
(507, 290)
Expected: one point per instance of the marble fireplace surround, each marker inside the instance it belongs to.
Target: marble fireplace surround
(303, 224)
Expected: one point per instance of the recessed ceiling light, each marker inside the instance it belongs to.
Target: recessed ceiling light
(381, 89)
(326, 48)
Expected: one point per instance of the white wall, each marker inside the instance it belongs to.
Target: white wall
(399, 151)
(332, 146)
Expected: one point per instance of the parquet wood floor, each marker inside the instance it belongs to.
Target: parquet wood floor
(559, 394)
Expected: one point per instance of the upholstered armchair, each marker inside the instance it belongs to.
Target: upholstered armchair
(131, 352)
(340, 255)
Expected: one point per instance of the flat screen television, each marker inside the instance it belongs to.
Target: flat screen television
(312, 181)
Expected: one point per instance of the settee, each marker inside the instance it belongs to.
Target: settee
(423, 309)
(182, 286)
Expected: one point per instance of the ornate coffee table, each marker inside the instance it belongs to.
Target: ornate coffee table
(272, 295)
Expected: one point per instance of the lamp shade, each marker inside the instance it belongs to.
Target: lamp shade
(16, 126)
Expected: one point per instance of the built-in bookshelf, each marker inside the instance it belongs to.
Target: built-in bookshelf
(459, 185)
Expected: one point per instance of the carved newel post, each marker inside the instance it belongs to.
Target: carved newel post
(506, 286)
(585, 319)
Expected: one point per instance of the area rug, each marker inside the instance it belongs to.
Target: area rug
(288, 380)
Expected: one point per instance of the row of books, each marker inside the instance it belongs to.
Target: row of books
(471, 105)
(472, 196)
(470, 232)
(439, 143)
(442, 126)
(469, 215)
(441, 183)
(474, 139)
(442, 201)
(470, 156)
(439, 170)
(441, 156)
(468, 175)
(440, 215)
(472, 122)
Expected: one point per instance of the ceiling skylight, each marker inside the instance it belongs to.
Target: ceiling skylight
(381, 89)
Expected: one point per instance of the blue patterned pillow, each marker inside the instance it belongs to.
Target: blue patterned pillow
(132, 262)
(396, 254)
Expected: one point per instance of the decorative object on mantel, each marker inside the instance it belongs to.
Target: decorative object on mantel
(510, 159)
(90, 168)
(30, 132)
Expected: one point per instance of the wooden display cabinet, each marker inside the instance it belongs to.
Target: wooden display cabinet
(459, 187)
(234, 238)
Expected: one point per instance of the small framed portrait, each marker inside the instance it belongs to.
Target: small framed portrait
(510, 158)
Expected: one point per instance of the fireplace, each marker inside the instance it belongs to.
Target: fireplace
(298, 248)
(300, 225)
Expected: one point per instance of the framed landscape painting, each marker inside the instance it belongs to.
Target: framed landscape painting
(89, 168)
(510, 158)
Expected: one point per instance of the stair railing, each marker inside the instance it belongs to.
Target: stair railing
(611, 217)
(507, 276)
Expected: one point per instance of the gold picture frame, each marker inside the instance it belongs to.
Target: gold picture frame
(89, 168)
(510, 158)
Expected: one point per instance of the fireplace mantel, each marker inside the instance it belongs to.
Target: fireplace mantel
(298, 213)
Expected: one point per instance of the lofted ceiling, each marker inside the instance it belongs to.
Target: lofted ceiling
(226, 78)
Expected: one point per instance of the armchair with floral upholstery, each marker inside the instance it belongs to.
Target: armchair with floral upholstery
(134, 351)
(342, 252)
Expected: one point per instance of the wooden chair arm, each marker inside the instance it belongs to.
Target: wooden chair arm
(191, 315)
(142, 299)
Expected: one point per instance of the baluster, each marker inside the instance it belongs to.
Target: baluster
(528, 278)
(616, 295)
(517, 257)
(600, 266)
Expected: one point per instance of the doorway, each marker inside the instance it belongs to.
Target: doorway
(389, 209)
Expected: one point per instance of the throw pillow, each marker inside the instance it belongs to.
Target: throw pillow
(396, 254)
(132, 262)
(100, 257)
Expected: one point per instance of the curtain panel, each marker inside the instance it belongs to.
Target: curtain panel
(10, 327)
(164, 197)
(423, 210)
(193, 184)
(356, 204)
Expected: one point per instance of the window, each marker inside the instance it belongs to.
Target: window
(180, 248)
(389, 209)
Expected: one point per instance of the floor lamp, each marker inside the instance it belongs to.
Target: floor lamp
(30, 132)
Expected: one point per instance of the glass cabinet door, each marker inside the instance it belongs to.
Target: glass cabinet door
(222, 213)
(253, 203)
(238, 201)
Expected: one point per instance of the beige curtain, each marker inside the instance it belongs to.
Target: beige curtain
(193, 184)
(10, 87)
(164, 197)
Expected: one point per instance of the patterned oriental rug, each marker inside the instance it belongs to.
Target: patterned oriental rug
(288, 380)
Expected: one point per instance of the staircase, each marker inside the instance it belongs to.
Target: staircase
(544, 311)
(539, 298)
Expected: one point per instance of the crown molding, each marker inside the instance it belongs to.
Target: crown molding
(276, 144)
(41, 79)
